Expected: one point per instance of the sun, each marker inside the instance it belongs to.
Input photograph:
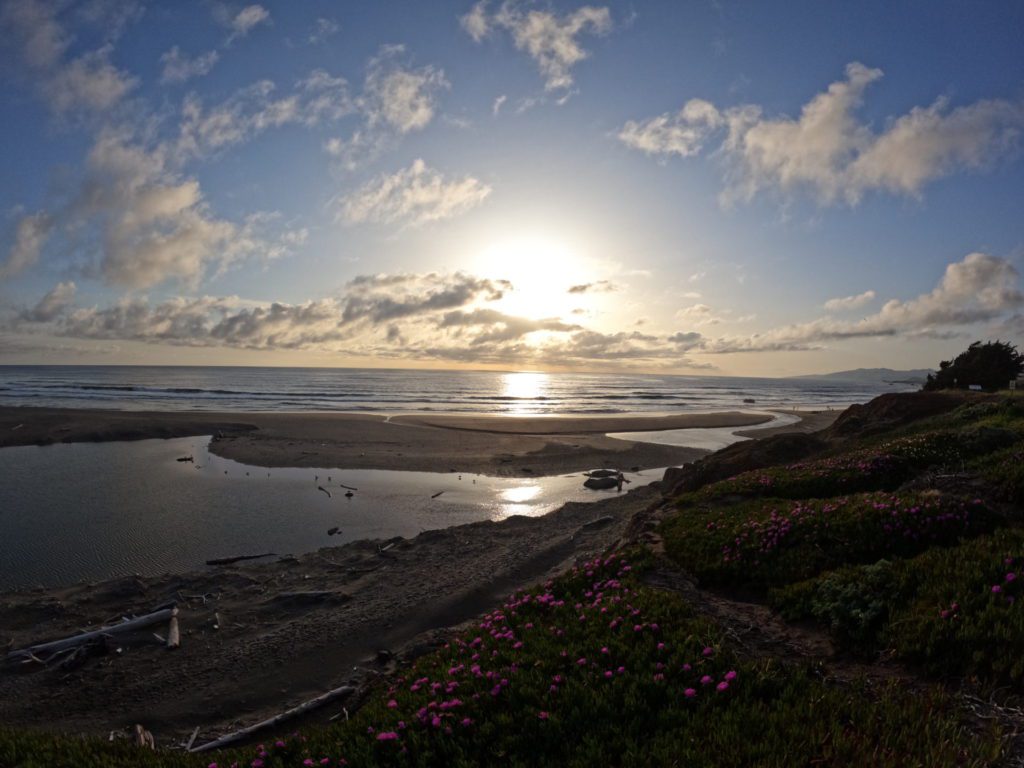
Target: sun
(541, 269)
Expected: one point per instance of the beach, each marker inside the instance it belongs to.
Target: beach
(492, 445)
(258, 637)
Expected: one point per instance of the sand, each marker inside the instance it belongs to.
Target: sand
(490, 445)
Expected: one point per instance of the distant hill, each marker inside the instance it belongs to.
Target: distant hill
(874, 376)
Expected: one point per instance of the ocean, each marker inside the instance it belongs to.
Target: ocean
(185, 388)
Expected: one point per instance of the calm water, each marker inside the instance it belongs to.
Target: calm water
(390, 391)
(93, 511)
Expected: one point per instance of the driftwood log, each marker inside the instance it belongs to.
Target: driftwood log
(301, 709)
(173, 632)
(239, 558)
(71, 642)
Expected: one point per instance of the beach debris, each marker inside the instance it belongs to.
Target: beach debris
(238, 559)
(16, 428)
(173, 632)
(332, 531)
(385, 548)
(143, 738)
(191, 739)
(749, 400)
(349, 487)
(216, 621)
(321, 488)
(36, 652)
(437, 494)
(185, 458)
(349, 494)
(301, 709)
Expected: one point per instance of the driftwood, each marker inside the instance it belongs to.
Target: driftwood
(85, 637)
(192, 739)
(15, 429)
(239, 558)
(173, 633)
(301, 709)
(321, 488)
(347, 487)
(437, 494)
(144, 738)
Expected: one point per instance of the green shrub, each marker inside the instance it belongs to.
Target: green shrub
(772, 542)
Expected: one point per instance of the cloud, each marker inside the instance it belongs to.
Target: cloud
(30, 235)
(600, 286)
(316, 99)
(827, 151)
(392, 316)
(549, 39)
(414, 196)
(399, 97)
(498, 103)
(849, 302)
(396, 99)
(979, 288)
(476, 23)
(492, 326)
(178, 67)
(86, 84)
(682, 134)
(699, 315)
(53, 304)
(323, 29)
(247, 19)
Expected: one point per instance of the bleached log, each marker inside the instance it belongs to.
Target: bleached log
(173, 634)
(192, 739)
(143, 738)
(301, 709)
(70, 642)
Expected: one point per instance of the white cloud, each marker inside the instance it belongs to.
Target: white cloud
(682, 133)
(178, 67)
(849, 302)
(318, 98)
(88, 83)
(400, 97)
(600, 286)
(698, 315)
(476, 23)
(827, 151)
(498, 103)
(549, 39)
(247, 19)
(980, 288)
(414, 196)
(323, 29)
(30, 235)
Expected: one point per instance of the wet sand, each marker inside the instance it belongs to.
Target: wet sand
(490, 445)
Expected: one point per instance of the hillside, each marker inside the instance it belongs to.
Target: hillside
(874, 376)
(850, 597)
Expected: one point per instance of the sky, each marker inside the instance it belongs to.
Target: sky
(718, 187)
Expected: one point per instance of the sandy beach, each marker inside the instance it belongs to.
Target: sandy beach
(491, 445)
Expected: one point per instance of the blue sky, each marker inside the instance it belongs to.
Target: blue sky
(739, 188)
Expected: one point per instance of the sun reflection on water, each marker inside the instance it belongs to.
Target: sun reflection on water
(523, 389)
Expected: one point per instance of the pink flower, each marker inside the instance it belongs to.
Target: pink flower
(996, 589)
(387, 736)
(392, 704)
(689, 693)
(706, 680)
(542, 715)
(730, 675)
(708, 652)
(722, 686)
(466, 722)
